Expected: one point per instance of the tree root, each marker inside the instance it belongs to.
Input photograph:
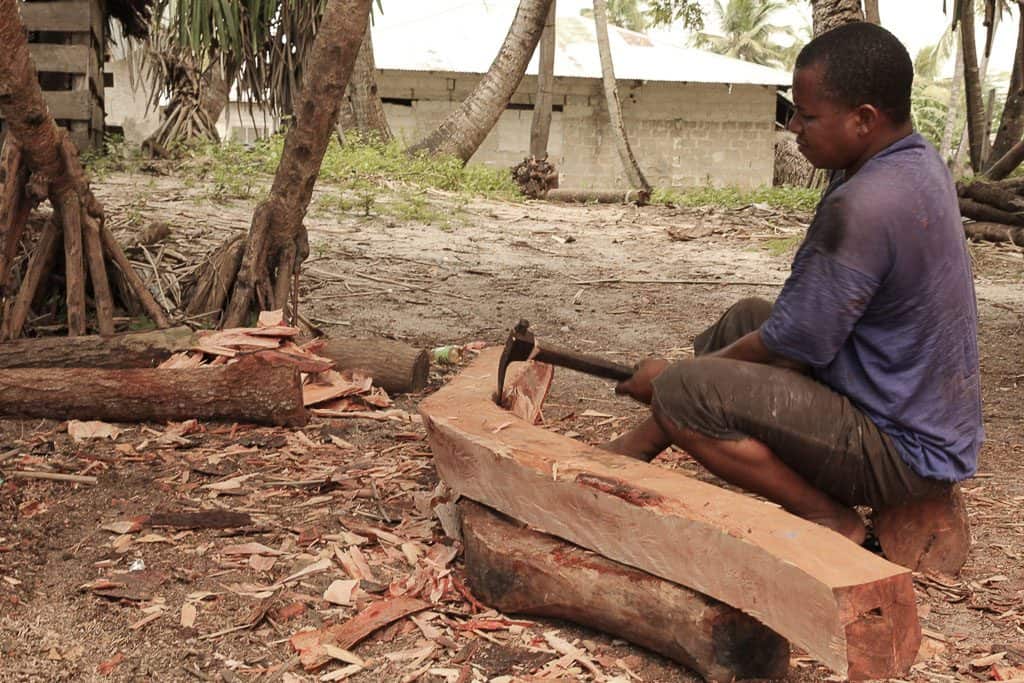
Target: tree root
(259, 272)
(77, 225)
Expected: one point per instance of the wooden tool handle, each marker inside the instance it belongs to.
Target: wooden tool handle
(582, 362)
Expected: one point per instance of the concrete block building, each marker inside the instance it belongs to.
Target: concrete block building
(694, 118)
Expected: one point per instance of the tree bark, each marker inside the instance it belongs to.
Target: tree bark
(394, 365)
(986, 231)
(540, 126)
(250, 390)
(953, 110)
(970, 208)
(134, 350)
(464, 129)
(41, 162)
(972, 88)
(611, 96)
(367, 108)
(856, 616)
(871, 12)
(1011, 125)
(828, 14)
(277, 242)
(1005, 165)
(520, 571)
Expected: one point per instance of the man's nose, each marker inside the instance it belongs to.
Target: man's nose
(794, 126)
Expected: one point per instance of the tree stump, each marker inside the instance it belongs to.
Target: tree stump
(927, 535)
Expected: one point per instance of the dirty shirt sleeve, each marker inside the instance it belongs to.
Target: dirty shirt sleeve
(835, 274)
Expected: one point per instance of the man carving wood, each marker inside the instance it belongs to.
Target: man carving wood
(860, 385)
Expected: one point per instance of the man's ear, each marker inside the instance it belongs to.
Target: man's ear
(868, 118)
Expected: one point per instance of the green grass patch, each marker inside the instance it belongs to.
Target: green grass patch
(782, 246)
(788, 198)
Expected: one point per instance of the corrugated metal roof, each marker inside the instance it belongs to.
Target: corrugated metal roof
(464, 38)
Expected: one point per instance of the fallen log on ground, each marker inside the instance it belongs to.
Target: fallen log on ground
(516, 570)
(970, 208)
(995, 232)
(395, 366)
(598, 196)
(132, 350)
(992, 195)
(850, 609)
(250, 390)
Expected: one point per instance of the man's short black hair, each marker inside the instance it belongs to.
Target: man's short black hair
(863, 64)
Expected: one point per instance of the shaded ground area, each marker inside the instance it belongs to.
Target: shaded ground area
(89, 591)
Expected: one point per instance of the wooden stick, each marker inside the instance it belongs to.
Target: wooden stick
(98, 275)
(149, 304)
(74, 266)
(283, 281)
(34, 274)
(54, 476)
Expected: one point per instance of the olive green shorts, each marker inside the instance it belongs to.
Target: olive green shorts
(816, 431)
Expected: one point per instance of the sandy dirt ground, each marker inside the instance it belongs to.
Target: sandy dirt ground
(86, 595)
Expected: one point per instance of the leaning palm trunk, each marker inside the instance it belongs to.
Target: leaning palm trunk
(871, 12)
(40, 162)
(464, 129)
(540, 126)
(1011, 126)
(973, 80)
(367, 108)
(263, 267)
(953, 110)
(828, 14)
(611, 96)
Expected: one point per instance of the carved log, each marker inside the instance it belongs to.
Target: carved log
(517, 570)
(850, 609)
(394, 365)
(250, 390)
(930, 535)
(132, 350)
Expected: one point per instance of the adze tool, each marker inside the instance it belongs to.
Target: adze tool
(522, 345)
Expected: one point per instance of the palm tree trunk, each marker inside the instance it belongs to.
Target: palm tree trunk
(40, 162)
(611, 96)
(277, 242)
(972, 88)
(464, 130)
(953, 110)
(540, 126)
(366, 105)
(871, 12)
(1011, 126)
(827, 14)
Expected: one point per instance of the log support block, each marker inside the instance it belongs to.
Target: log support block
(517, 570)
(853, 611)
(927, 535)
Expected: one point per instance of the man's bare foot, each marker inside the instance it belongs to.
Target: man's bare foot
(848, 524)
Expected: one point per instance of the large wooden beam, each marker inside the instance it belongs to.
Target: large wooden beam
(850, 609)
(520, 571)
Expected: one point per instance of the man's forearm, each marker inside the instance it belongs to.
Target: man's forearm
(751, 348)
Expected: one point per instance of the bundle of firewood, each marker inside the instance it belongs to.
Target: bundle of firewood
(535, 176)
(995, 210)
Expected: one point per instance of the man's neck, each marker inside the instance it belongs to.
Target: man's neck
(892, 136)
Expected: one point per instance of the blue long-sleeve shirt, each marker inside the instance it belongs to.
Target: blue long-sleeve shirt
(880, 303)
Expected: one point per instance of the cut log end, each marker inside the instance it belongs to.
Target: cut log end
(929, 535)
